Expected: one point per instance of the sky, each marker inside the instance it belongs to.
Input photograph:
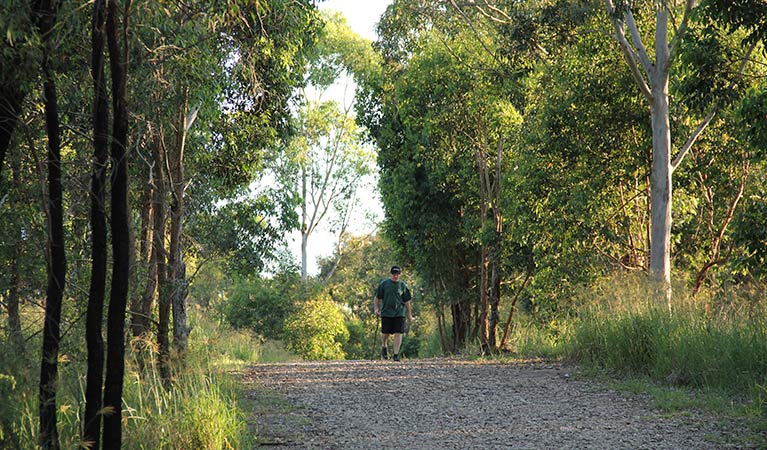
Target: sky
(362, 16)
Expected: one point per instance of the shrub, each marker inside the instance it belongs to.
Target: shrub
(317, 329)
(258, 305)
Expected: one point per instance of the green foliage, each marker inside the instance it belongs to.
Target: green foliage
(751, 235)
(363, 342)
(261, 305)
(751, 114)
(244, 232)
(748, 15)
(317, 329)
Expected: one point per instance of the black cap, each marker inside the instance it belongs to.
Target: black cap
(395, 269)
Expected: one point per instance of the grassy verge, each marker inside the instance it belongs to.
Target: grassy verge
(706, 354)
(715, 343)
(201, 409)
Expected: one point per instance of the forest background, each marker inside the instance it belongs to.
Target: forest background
(155, 155)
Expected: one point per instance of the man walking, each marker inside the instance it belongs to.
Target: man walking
(391, 302)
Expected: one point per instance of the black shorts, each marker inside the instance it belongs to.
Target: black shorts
(391, 325)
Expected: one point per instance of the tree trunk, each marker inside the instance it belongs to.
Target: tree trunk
(176, 257)
(484, 303)
(139, 320)
(158, 252)
(141, 309)
(661, 188)
(507, 328)
(461, 312)
(120, 226)
(304, 225)
(45, 17)
(495, 300)
(94, 317)
(444, 344)
(495, 253)
(718, 236)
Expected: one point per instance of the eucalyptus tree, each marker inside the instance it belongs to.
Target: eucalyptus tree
(652, 74)
(448, 96)
(96, 293)
(329, 161)
(326, 162)
(44, 18)
(231, 75)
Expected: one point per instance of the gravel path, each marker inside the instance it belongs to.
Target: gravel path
(457, 404)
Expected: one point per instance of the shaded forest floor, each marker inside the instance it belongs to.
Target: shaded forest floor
(459, 404)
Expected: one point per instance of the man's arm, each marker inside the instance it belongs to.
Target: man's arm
(376, 309)
(409, 312)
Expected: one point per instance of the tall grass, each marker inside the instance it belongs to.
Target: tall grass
(719, 342)
(198, 409)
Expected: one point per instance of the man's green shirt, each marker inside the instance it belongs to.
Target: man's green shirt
(393, 296)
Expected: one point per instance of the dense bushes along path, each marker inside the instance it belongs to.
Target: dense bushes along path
(455, 404)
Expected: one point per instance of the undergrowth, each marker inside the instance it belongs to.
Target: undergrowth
(200, 408)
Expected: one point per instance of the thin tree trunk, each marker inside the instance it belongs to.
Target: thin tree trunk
(461, 313)
(120, 226)
(141, 309)
(94, 318)
(507, 328)
(45, 17)
(716, 240)
(144, 257)
(444, 344)
(304, 225)
(660, 189)
(158, 250)
(494, 195)
(484, 303)
(176, 258)
(495, 300)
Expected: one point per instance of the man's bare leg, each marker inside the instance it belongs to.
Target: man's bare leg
(397, 342)
(384, 344)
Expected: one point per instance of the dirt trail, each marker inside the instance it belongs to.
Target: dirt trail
(456, 404)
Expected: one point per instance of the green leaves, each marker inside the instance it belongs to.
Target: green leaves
(317, 329)
(752, 117)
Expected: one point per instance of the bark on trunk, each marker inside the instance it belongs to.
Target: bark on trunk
(141, 310)
(120, 226)
(661, 188)
(158, 252)
(143, 256)
(45, 17)
(96, 295)
(461, 312)
(484, 303)
(495, 300)
(176, 259)
(304, 225)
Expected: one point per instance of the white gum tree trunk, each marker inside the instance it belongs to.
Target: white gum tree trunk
(660, 178)
(652, 78)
